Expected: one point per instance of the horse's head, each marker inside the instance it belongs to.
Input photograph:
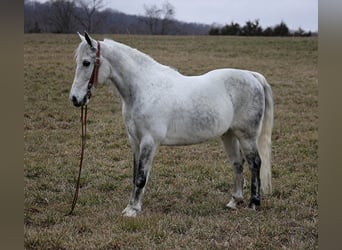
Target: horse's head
(88, 70)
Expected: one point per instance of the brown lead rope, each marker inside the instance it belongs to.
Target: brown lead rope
(93, 81)
(83, 142)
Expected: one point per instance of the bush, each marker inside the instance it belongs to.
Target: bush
(233, 29)
(281, 30)
(251, 29)
(254, 29)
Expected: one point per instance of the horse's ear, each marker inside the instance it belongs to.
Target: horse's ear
(88, 39)
(81, 37)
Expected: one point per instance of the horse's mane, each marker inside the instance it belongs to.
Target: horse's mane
(128, 50)
(136, 54)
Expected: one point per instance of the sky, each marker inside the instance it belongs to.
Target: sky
(295, 13)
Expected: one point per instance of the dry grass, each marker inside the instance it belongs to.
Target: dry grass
(184, 205)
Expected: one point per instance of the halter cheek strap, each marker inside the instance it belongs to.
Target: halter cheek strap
(93, 81)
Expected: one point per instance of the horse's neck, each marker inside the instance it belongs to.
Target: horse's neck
(133, 72)
(126, 65)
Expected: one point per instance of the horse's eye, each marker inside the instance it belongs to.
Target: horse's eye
(86, 63)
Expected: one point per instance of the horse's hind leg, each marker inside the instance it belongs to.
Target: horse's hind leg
(141, 172)
(250, 150)
(232, 147)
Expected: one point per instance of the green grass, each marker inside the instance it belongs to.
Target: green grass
(184, 205)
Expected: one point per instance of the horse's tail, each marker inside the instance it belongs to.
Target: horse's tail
(264, 140)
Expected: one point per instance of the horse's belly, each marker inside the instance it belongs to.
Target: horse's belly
(184, 139)
(197, 127)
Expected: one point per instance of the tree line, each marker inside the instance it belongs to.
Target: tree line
(70, 16)
(66, 16)
(253, 28)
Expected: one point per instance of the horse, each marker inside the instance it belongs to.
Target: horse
(161, 106)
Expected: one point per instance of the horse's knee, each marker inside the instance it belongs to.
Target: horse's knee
(238, 167)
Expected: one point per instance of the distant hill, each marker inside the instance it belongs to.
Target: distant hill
(65, 17)
(122, 23)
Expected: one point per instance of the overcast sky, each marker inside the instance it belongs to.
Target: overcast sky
(295, 13)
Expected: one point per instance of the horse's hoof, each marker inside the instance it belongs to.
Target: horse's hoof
(231, 204)
(130, 212)
(252, 206)
(235, 202)
(254, 203)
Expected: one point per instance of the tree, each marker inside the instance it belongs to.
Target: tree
(301, 32)
(281, 30)
(152, 14)
(214, 31)
(233, 29)
(268, 31)
(168, 11)
(159, 20)
(62, 15)
(87, 14)
(251, 29)
(35, 12)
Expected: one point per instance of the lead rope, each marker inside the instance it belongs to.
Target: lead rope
(92, 81)
(83, 142)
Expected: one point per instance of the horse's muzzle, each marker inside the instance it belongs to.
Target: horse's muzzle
(78, 103)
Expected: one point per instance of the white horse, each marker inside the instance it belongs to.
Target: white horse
(160, 106)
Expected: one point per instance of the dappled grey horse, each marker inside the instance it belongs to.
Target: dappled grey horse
(160, 106)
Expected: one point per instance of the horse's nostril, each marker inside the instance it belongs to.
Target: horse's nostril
(75, 102)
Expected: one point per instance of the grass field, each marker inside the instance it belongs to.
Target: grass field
(184, 205)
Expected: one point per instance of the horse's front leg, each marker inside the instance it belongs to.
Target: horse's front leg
(141, 172)
(135, 152)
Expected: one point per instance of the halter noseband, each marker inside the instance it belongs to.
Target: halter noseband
(93, 81)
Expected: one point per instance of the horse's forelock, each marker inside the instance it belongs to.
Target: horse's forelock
(77, 51)
(80, 49)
